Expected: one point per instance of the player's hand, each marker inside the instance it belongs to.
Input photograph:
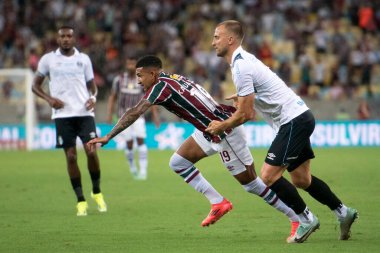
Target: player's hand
(215, 127)
(234, 97)
(56, 103)
(90, 104)
(102, 140)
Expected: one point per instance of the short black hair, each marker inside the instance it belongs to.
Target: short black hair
(65, 27)
(149, 61)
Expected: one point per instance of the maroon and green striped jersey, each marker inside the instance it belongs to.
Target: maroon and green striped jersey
(189, 101)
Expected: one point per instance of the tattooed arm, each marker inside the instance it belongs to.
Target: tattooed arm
(124, 122)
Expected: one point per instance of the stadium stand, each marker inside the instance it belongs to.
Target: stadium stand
(327, 51)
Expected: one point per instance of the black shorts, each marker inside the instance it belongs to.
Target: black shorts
(68, 129)
(292, 147)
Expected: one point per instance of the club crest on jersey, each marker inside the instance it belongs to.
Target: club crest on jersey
(79, 64)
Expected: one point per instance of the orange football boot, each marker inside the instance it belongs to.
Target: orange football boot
(217, 211)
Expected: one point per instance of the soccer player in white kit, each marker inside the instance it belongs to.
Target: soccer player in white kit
(72, 98)
(127, 92)
(261, 89)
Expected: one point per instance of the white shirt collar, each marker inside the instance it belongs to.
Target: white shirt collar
(58, 52)
(236, 53)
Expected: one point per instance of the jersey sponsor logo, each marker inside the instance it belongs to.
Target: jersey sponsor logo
(175, 77)
(271, 156)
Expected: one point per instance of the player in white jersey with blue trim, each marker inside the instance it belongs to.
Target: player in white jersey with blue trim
(72, 98)
(261, 89)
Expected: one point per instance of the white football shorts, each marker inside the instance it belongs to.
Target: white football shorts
(136, 130)
(233, 149)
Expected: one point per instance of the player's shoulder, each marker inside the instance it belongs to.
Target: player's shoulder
(243, 63)
(47, 58)
(84, 56)
(49, 55)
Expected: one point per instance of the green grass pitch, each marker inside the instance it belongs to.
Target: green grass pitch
(163, 214)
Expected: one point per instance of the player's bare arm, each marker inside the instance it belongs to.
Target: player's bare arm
(235, 101)
(93, 90)
(124, 122)
(37, 89)
(244, 113)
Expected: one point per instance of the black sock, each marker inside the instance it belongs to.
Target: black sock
(77, 186)
(288, 194)
(95, 178)
(322, 192)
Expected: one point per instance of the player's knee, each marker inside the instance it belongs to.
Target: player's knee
(301, 182)
(71, 158)
(142, 148)
(178, 163)
(268, 175)
(91, 153)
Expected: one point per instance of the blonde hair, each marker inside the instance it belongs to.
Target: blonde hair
(234, 27)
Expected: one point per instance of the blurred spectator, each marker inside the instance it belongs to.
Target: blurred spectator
(297, 31)
(342, 114)
(7, 88)
(321, 39)
(319, 72)
(285, 71)
(366, 17)
(33, 59)
(265, 54)
(336, 91)
(364, 112)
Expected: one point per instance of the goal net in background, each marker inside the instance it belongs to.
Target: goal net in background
(17, 109)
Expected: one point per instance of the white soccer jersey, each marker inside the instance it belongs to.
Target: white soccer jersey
(275, 101)
(68, 76)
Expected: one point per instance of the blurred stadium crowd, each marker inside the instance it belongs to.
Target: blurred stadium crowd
(325, 50)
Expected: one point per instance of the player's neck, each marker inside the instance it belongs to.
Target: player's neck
(67, 52)
(230, 53)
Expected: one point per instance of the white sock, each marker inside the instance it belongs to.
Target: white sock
(130, 155)
(306, 216)
(143, 159)
(194, 178)
(258, 187)
(341, 211)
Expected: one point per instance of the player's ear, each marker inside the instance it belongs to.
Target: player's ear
(231, 40)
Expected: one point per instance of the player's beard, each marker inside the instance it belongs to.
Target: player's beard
(66, 49)
(222, 52)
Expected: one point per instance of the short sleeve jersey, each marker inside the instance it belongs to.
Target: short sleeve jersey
(189, 101)
(68, 77)
(128, 91)
(274, 100)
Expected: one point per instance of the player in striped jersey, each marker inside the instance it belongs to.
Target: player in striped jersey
(128, 93)
(191, 102)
